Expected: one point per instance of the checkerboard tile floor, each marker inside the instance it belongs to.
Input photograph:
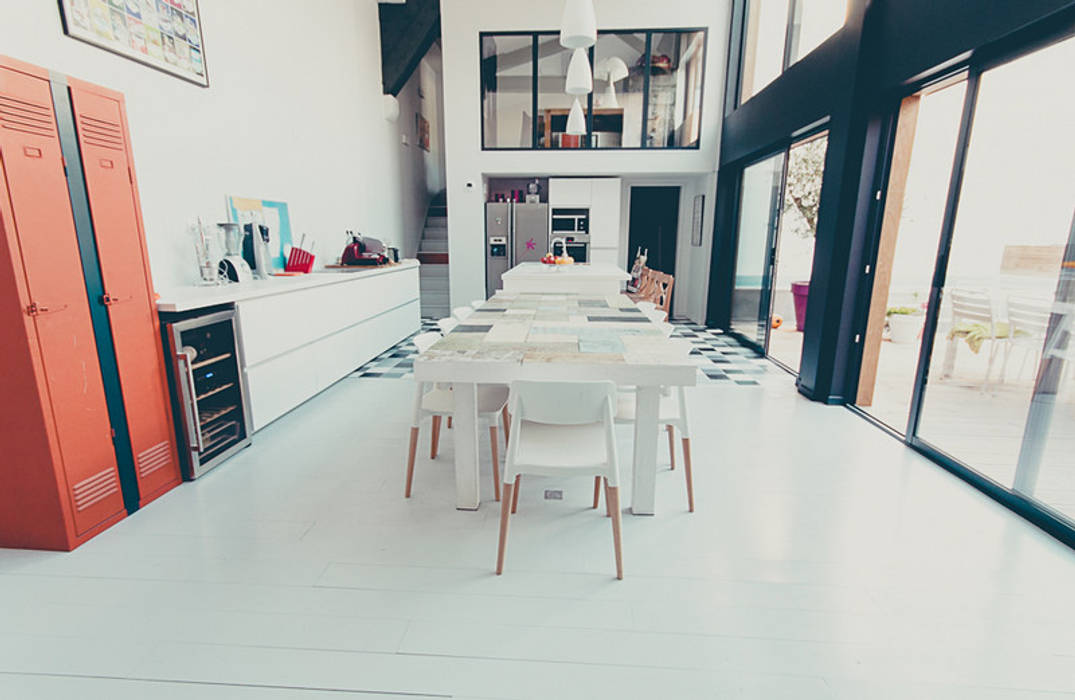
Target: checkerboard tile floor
(721, 359)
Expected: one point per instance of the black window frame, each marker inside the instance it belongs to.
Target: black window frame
(740, 19)
(588, 142)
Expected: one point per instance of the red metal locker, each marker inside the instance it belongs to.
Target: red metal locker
(60, 483)
(100, 120)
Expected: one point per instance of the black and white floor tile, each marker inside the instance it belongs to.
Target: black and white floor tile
(721, 359)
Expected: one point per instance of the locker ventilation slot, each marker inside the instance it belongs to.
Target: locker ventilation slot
(95, 489)
(101, 133)
(154, 458)
(29, 117)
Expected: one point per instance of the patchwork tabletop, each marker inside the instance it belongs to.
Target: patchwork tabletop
(562, 329)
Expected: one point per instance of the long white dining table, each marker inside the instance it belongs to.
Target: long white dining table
(557, 337)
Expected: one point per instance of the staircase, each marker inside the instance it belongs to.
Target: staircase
(433, 254)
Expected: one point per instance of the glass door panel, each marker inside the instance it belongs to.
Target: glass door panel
(923, 151)
(1007, 249)
(759, 211)
(795, 249)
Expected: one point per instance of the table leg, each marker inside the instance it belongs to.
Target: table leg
(643, 495)
(465, 433)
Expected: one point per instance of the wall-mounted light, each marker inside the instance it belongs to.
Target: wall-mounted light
(391, 108)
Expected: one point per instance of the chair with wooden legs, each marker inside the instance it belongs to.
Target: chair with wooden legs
(559, 429)
(672, 414)
(438, 401)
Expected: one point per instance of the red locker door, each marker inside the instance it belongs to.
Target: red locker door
(102, 136)
(40, 208)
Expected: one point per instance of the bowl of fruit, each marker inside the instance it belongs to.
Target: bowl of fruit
(551, 259)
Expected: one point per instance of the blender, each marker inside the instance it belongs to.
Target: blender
(233, 266)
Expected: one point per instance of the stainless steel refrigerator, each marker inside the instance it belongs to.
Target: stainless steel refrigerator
(515, 233)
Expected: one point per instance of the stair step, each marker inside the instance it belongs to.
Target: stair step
(438, 234)
(434, 245)
(435, 210)
(427, 258)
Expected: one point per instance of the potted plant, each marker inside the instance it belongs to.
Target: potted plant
(904, 323)
(802, 195)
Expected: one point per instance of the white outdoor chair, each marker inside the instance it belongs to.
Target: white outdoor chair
(438, 401)
(972, 307)
(462, 313)
(1028, 321)
(447, 325)
(558, 429)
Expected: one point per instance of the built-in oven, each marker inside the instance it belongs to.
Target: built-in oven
(566, 222)
(209, 393)
(577, 246)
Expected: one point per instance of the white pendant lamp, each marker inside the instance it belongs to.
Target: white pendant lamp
(578, 27)
(579, 77)
(576, 120)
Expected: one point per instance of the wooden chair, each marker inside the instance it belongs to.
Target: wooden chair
(645, 286)
(662, 292)
(438, 401)
(560, 428)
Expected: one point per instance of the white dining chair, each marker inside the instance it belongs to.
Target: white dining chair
(672, 414)
(462, 313)
(477, 303)
(447, 325)
(560, 429)
(438, 401)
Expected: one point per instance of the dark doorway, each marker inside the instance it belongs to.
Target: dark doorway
(654, 224)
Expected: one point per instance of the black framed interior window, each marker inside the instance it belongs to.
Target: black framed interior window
(648, 90)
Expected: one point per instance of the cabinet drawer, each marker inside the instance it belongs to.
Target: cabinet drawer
(271, 326)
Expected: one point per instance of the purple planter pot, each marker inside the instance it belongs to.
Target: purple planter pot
(801, 292)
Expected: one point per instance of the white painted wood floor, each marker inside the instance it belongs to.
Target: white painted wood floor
(825, 561)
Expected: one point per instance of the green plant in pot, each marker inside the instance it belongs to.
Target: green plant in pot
(904, 323)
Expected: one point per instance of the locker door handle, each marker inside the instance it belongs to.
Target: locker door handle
(109, 300)
(35, 309)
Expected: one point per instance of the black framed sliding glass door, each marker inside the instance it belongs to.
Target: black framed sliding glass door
(992, 393)
(778, 210)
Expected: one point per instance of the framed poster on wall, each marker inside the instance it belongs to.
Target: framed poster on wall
(163, 34)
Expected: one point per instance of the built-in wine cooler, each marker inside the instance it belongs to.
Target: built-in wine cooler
(209, 389)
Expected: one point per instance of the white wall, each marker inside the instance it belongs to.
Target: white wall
(461, 21)
(293, 113)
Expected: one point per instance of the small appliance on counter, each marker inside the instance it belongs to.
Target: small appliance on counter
(256, 249)
(363, 251)
(209, 394)
(233, 266)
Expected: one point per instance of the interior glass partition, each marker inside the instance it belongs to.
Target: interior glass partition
(648, 89)
(507, 75)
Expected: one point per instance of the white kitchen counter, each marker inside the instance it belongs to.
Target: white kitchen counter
(579, 278)
(298, 335)
(189, 298)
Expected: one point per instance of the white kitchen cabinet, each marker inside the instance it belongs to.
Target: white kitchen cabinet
(605, 212)
(608, 256)
(569, 193)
